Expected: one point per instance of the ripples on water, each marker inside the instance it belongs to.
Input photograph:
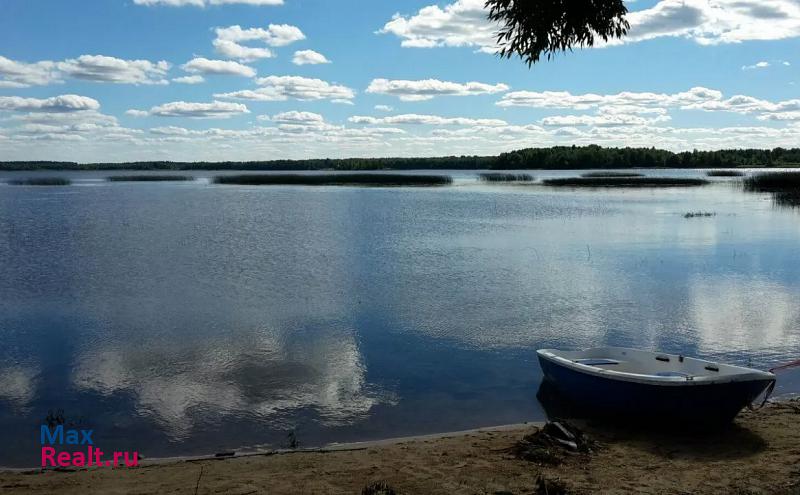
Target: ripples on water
(188, 318)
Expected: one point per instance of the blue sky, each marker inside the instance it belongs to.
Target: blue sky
(117, 80)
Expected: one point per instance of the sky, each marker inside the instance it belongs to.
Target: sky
(210, 80)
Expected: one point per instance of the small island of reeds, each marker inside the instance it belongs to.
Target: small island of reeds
(500, 177)
(699, 214)
(375, 180)
(603, 174)
(40, 181)
(773, 182)
(149, 178)
(625, 182)
(784, 186)
(725, 173)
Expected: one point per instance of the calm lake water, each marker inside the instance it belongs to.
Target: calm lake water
(190, 318)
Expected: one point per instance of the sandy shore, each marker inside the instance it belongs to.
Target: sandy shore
(759, 454)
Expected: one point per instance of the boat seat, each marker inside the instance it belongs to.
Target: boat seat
(596, 361)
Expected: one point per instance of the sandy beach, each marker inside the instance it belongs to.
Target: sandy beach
(759, 454)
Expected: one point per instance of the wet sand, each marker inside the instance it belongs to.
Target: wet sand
(759, 454)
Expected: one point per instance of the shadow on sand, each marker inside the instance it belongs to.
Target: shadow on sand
(672, 441)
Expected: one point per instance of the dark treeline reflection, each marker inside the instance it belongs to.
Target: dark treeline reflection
(557, 157)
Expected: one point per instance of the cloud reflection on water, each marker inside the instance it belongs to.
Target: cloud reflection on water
(274, 379)
(738, 313)
(18, 385)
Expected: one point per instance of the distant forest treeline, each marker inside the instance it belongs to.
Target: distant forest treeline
(558, 157)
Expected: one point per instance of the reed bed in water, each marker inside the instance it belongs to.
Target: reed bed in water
(787, 199)
(611, 174)
(782, 182)
(378, 180)
(625, 182)
(148, 178)
(725, 173)
(784, 186)
(498, 177)
(41, 181)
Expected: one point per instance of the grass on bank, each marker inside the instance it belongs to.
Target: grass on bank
(725, 173)
(604, 174)
(40, 181)
(148, 178)
(625, 182)
(381, 180)
(498, 177)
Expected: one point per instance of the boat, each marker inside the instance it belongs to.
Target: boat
(632, 383)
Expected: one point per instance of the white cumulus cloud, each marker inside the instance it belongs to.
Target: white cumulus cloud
(280, 88)
(101, 68)
(97, 68)
(707, 22)
(54, 104)
(416, 119)
(462, 23)
(427, 89)
(14, 74)
(758, 65)
(213, 110)
(229, 40)
(309, 57)
(295, 117)
(196, 79)
(202, 65)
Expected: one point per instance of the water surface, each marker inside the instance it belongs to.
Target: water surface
(188, 318)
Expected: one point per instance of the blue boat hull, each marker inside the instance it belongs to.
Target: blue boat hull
(695, 403)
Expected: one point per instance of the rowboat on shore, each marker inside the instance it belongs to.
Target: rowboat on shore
(642, 384)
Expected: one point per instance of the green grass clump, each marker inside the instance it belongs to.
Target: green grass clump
(148, 178)
(379, 180)
(611, 174)
(625, 182)
(773, 182)
(497, 177)
(725, 173)
(41, 181)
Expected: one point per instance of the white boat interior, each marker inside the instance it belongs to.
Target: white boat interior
(650, 367)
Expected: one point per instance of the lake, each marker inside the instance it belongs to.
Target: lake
(192, 318)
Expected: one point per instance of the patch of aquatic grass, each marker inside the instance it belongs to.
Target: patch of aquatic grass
(697, 214)
(625, 182)
(498, 177)
(379, 180)
(611, 174)
(41, 181)
(725, 173)
(148, 178)
(773, 182)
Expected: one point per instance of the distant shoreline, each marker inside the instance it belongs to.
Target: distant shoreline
(554, 158)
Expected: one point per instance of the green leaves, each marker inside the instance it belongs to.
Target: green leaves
(532, 28)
